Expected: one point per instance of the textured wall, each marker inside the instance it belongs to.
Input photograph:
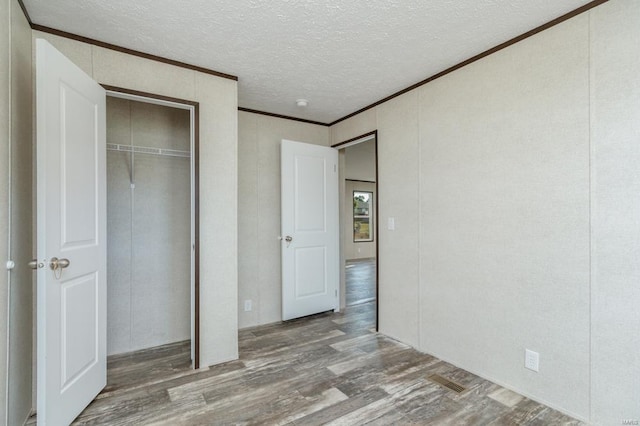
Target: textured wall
(5, 137)
(360, 161)
(615, 180)
(22, 196)
(354, 126)
(149, 253)
(21, 241)
(520, 209)
(259, 272)
(397, 125)
(504, 216)
(398, 186)
(217, 98)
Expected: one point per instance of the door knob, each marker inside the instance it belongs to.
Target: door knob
(288, 238)
(58, 263)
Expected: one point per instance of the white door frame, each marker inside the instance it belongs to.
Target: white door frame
(192, 107)
(340, 146)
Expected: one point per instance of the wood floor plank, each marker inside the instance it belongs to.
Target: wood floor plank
(330, 368)
(342, 408)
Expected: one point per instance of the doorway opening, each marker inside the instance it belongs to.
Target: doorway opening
(359, 257)
(152, 224)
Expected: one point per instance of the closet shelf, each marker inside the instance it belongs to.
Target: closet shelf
(148, 150)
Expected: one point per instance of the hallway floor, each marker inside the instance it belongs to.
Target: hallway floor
(360, 278)
(330, 368)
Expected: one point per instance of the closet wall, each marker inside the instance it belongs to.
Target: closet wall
(148, 227)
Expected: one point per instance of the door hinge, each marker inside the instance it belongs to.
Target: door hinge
(336, 292)
(335, 168)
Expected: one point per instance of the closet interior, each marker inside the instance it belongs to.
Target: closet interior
(149, 225)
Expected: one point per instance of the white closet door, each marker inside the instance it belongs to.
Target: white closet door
(71, 229)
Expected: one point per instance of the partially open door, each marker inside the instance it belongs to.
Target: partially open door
(310, 229)
(71, 231)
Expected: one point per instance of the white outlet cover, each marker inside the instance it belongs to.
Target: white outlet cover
(391, 223)
(531, 360)
(247, 305)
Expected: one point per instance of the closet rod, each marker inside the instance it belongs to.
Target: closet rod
(149, 150)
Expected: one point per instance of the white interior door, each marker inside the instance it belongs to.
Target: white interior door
(310, 233)
(71, 225)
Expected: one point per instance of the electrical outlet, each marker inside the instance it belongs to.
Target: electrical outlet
(391, 223)
(531, 360)
(247, 305)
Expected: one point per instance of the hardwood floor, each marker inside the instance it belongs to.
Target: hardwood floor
(330, 368)
(360, 278)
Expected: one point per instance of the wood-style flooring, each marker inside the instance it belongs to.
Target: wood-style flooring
(360, 278)
(331, 368)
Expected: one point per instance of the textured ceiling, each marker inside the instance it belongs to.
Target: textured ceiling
(340, 55)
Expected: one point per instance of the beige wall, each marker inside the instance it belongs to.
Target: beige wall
(397, 123)
(513, 186)
(21, 243)
(504, 216)
(148, 228)
(217, 99)
(615, 203)
(360, 161)
(259, 271)
(5, 138)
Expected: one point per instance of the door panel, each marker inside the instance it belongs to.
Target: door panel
(79, 122)
(78, 327)
(71, 225)
(310, 269)
(310, 194)
(311, 277)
